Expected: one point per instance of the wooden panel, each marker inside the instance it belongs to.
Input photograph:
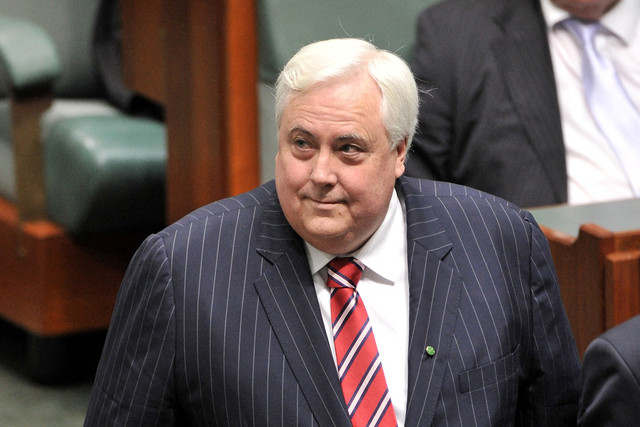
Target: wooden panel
(595, 251)
(579, 263)
(209, 78)
(622, 286)
(26, 113)
(599, 278)
(243, 149)
(52, 284)
(143, 47)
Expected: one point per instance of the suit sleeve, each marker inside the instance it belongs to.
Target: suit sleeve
(549, 394)
(134, 381)
(610, 390)
(431, 149)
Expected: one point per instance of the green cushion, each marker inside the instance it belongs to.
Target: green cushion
(69, 24)
(61, 109)
(29, 56)
(106, 174)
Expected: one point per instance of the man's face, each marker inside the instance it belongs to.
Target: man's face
(586, 9)
(334, 171)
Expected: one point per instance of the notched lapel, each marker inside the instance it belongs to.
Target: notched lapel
(287, 294)
(434, 297)
(275, 236)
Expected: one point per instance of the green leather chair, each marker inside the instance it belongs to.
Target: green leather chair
(82, 163)
(81, 183)
(284, 26)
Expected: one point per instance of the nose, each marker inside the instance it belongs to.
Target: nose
(323, 172)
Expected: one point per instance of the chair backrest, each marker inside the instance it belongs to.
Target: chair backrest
(284, 26)
(70, 25)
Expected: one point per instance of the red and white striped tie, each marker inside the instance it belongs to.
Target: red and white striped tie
(359, 365)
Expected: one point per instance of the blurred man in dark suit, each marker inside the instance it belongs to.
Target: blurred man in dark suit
(509, 106)
(611, 378)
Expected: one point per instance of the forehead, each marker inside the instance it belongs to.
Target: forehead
(353, 100)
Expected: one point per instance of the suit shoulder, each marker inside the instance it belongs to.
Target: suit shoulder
(448, 199)
(624, 338)
(443, 190)
(256, 198)
(458, 14)
(450, 31)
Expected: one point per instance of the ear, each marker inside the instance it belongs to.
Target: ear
(401, 153)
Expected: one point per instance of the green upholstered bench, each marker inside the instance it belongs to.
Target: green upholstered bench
(103, 171)
(81, 183)
(105, 174)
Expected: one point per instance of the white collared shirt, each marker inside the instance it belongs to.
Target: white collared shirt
(594, 173)
(384, 289)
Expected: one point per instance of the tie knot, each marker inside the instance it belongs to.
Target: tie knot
(344, 272)
(583, 31)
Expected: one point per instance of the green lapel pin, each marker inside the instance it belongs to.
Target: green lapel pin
(430, 351)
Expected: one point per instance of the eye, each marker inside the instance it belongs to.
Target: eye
(300, 143)
(350, 148)
(302, 148)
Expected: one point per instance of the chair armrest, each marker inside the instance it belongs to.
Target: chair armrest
(29, 56)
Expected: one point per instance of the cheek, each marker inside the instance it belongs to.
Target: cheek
(290, 174)
(372, 190)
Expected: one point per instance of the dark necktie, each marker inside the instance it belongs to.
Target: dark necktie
(359, 365)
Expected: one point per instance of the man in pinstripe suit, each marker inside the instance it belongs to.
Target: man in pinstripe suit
(223, 317)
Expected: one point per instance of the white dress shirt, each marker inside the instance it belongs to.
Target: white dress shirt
(384, 289)
(594, 173)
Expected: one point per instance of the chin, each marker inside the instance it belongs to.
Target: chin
(333, 247)
(327, 240)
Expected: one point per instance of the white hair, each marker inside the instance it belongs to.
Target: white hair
(324, 60)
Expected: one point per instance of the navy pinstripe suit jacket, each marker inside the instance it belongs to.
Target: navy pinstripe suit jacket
(217, 321)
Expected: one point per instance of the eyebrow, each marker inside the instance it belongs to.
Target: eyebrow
(301, 130)
(351, 137)
(341, 138)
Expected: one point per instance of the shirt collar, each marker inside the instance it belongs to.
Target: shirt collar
(378, 253)
(622, 20)
(552, 13)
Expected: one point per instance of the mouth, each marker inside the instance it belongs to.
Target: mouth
(324, 204)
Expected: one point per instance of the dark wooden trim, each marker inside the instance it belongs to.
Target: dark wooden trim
(208, 83)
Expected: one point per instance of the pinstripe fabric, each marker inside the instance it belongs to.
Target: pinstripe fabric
(217, 321)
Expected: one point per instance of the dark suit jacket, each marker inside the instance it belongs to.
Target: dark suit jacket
(611, 378)
(489, 115)
(218, 323)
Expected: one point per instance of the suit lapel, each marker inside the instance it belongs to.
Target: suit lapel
(523, 56)
(434, 297)
(288, 296)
